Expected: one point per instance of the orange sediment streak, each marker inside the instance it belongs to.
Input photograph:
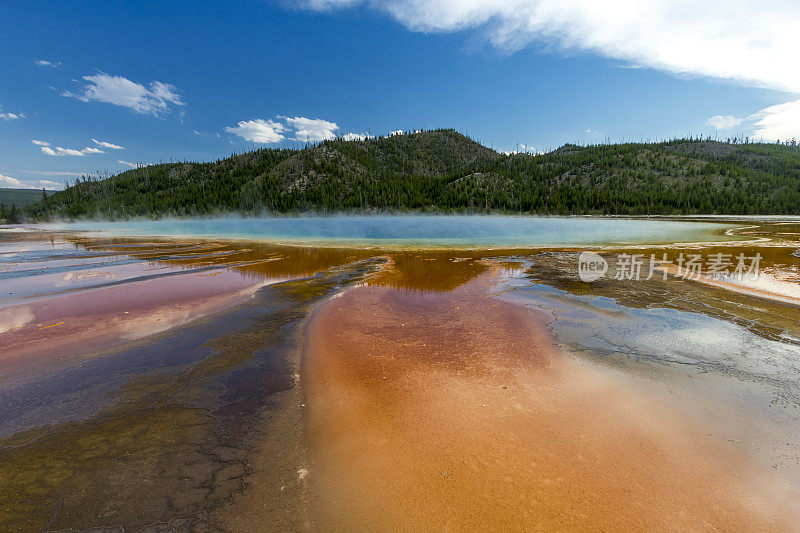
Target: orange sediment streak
(456, 411)
(51, 325)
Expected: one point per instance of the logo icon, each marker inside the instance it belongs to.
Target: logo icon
(591, 266)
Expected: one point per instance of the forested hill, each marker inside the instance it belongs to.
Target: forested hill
(19, 197)
(444, 171)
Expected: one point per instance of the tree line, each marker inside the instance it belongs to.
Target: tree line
(444, 171)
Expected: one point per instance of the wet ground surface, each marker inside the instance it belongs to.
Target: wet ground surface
(456, 411)
(669, 321)
(154, 384)
(153, 432)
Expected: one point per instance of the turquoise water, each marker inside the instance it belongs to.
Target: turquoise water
(459, 231)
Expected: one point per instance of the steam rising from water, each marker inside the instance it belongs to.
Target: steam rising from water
(447, 231)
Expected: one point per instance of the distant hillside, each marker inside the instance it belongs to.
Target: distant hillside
(444, 171)
(19, 197)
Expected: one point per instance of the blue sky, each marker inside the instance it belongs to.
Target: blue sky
(102, 86)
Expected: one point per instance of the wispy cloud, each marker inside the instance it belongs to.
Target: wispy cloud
(327, 5)
(155, 99)
(49, 63)
(108, 145)
(133, 165)
(14, 183)
(751, 43)
(742, 40)
(9, 115)
(58, 151)
(52, 173)
(777, 122)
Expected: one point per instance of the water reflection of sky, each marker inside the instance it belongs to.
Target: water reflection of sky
(602, 326)
(37, 267)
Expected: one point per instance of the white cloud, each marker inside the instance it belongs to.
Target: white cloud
(10, 116)
(752, 43)
(155, 99)
(326, 5)
(742, 40)
(52, 173)
(59, 151)
(530, 149)
(259, 131)
(312, 129)
(8, 181)
(780, 121)
(273, 130)
(129, 164)
(108, 145)
(777, 122)
(524, 149)
(51, 64)
(14, 183)
(397, 132)
(354, 136)
(724, 122)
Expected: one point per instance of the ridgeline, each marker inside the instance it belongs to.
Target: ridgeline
(443, 171)
(19, 197)
(11, 200)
